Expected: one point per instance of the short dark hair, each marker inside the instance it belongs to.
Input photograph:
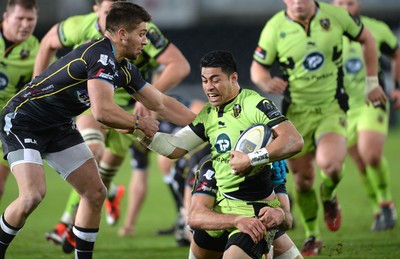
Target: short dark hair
(220, 58)
(27, 4)
(127, 15)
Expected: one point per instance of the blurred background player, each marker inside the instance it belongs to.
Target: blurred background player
(306, 40)
(205, 190)
(76, 30)
(368, 124)
(18, 48)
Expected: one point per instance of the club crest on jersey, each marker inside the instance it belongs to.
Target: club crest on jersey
(325, 24)
(313, 61)
(353, 65)
(237, 109)
(24, 54)
(223, 143)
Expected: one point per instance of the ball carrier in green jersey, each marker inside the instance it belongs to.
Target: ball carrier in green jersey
(306, 41)
(229, 111)
(368, 125)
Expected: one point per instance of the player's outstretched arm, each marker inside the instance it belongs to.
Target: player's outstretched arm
(48, 47)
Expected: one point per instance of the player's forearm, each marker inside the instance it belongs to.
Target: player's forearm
(172, 75)
(209, 220)
(175, 112)
(260, 76)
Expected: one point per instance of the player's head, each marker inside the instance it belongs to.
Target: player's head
(299, 9)
(127, 22)
(19, 19)
(353, 6)
(219, 76)
(101, 8)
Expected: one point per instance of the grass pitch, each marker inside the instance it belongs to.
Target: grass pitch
(353, 240)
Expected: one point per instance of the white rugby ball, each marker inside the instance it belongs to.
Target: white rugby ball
(254, 138)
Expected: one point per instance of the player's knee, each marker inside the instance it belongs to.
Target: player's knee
(31, 200)
(95, 196)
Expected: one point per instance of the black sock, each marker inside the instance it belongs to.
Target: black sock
(7, 234)
(85, 238)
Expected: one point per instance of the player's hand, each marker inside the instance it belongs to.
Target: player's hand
(279, 171)
(148, 125)
(395, 96)
(141, 110)
(271, 217)
(251, 226)
(377, 97)
(276, 85)
(240, 163)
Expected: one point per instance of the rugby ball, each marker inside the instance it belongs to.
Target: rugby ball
(253, 138)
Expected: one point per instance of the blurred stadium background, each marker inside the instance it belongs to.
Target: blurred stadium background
(198, 26)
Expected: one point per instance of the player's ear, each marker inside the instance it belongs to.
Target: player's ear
(234, 77)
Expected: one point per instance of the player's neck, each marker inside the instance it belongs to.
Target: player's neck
(305, 21)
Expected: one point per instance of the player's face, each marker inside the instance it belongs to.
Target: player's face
(218, 86)
(135, 42)
(299, 9)
(353, 6)
(19, 23)
(102, 11)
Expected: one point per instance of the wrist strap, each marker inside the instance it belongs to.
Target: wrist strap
(259, 157)
(371, 82)
(136, 122)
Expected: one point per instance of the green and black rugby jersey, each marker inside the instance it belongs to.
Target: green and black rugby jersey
(311, 59)
(79, 29)
(221, 127)
(16, 66)
(353, 59)
(60, 92)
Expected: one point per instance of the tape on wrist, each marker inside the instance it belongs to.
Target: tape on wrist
(371, 82)
(259, 157)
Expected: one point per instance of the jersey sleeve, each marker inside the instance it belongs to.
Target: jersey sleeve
(69, 32)
(389, 43)
(157, 41)
(136, 82)
(351, 25)
(266, 51)
(269, 113)
(198, 124)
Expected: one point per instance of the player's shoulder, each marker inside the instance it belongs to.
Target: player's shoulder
(332, 11)
(87, 18)
(251, 96)
(370, 22)
(276, 20)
